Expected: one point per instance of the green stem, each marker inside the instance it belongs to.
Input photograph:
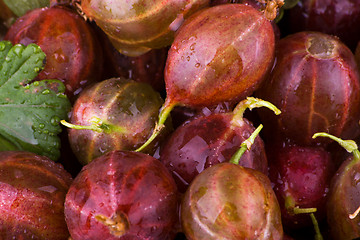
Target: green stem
(251, 103)
(93, 127)
(164, 114)
(298, 210)
(349, 145)
(311, 212)
(97, 125)
(245, 145)
(292, 209)
(318, 235)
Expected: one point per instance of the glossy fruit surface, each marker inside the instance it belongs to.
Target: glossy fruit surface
(315, 83)
(32, 196)
(133, 191)
(213, 58)
(231, 202)
(206, 141)
(123, 113)
(134, 27)
(335, 17)
(148, 67)
(72, 49)
(182, 114)
(344, 199)
(301, 179)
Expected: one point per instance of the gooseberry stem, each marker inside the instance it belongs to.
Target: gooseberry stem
(163, 115)
(349, 145)
(298, 210)
(97, 125)
(318, 235)
(251, 103)
(292, 209)
(245, 145)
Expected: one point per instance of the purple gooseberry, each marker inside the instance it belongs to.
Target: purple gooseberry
(122, 195)
(316, 85)
(32, 196)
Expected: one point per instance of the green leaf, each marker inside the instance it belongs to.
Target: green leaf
(20, 7)
(30, 112)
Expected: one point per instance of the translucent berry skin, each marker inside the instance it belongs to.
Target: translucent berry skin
(231, 202)
(301, 178)
(335, 17)
(316, 85)
(205, 141)
(148, 67)
(344, 198)
(126, 108)
(73, 52)
(32, 196)
(219, 54)
(132, 184)
(134, 27)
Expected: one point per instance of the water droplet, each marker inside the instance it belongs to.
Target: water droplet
(356, 177)
(2, 46)
(61, 58)
(7, 59)
(197, 65)
(18, 49)
(188, 58)
(41, 125)
(61, 95)
(36, 83)
(46, 91)
(18, 173)
(36, 69)
(55, 120)
(192, 46)
(36, 49)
